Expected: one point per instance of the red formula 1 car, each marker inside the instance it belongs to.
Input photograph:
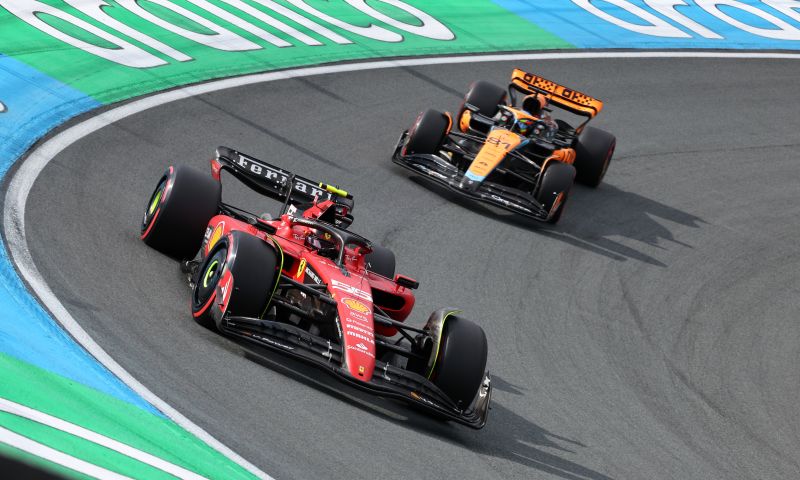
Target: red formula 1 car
(304, 285)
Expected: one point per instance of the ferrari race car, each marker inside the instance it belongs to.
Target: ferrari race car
(304, 285)
(509, 151)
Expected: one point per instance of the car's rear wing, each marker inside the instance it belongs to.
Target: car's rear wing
(275, 182)
(566, 98)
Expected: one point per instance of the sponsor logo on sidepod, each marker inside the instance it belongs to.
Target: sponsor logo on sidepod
(310, 273)
(215, 236)
(301, 269)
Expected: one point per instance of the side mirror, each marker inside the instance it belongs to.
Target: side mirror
(406, 282)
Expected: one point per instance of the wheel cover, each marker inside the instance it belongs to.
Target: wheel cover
(207, 281)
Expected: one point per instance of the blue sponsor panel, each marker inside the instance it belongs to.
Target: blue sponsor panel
(710, 24)
(31, 104)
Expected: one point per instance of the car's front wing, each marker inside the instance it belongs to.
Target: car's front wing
(444, 173)
(387, 380)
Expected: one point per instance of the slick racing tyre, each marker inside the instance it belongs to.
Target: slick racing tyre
(484, 95)
(593, 150)
(178, 211)
(381, 261)
(553, 189)
(237, 277)
(460, 363)
(427, 134)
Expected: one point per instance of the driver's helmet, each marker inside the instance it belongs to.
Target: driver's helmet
(324, 246)
(534, 104)
(524, 126)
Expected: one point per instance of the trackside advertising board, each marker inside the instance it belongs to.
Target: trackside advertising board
(59, 407)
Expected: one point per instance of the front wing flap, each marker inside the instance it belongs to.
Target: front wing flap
(446, 174)
(388, 380)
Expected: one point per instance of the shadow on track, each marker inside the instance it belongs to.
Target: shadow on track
(508, 435)
(599, 213)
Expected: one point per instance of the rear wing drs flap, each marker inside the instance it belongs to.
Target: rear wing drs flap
(275, 182)
(566, 98)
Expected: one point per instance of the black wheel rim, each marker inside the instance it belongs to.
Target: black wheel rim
(151, 208)
(209, 276)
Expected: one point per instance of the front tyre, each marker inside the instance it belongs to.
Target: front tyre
(427, 134)
(485, 96)
(237, 277)
(593, 150)
(460, 364)
(553, 189)
(179, 210)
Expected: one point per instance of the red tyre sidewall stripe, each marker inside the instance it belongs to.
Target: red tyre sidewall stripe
(205, 307)
(152, 222)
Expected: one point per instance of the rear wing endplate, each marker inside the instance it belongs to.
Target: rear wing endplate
(277, 183)
(566, 98)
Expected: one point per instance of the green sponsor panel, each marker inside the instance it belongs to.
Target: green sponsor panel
(184, 43)
(56, 396)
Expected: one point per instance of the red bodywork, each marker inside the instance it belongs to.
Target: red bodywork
(355, 292)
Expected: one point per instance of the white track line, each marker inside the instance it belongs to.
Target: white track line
(54, 422)
(59, 458)
(23, 179)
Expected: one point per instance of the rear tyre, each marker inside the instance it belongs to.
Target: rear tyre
(554, 187)
(253, 266)
(484, 95)
(593, 151)
(381, 261)
(427, 134)
(178, 211)
(461, 361)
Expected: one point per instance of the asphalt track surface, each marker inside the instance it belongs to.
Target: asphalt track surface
(652, 334)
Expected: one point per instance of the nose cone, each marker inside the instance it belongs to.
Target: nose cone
(358, 337)
(470, 182)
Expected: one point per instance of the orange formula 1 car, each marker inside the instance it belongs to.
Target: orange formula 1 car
(505, 148)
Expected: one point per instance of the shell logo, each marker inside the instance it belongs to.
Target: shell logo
(354, 304)
(215, 236)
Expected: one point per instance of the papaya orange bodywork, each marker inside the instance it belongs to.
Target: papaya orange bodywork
(498, 143)
(463, 123)
(564, 155)
(449, 121)
(560, 95)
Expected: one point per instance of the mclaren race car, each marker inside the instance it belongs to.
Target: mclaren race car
(306, 286)
(504, 147)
